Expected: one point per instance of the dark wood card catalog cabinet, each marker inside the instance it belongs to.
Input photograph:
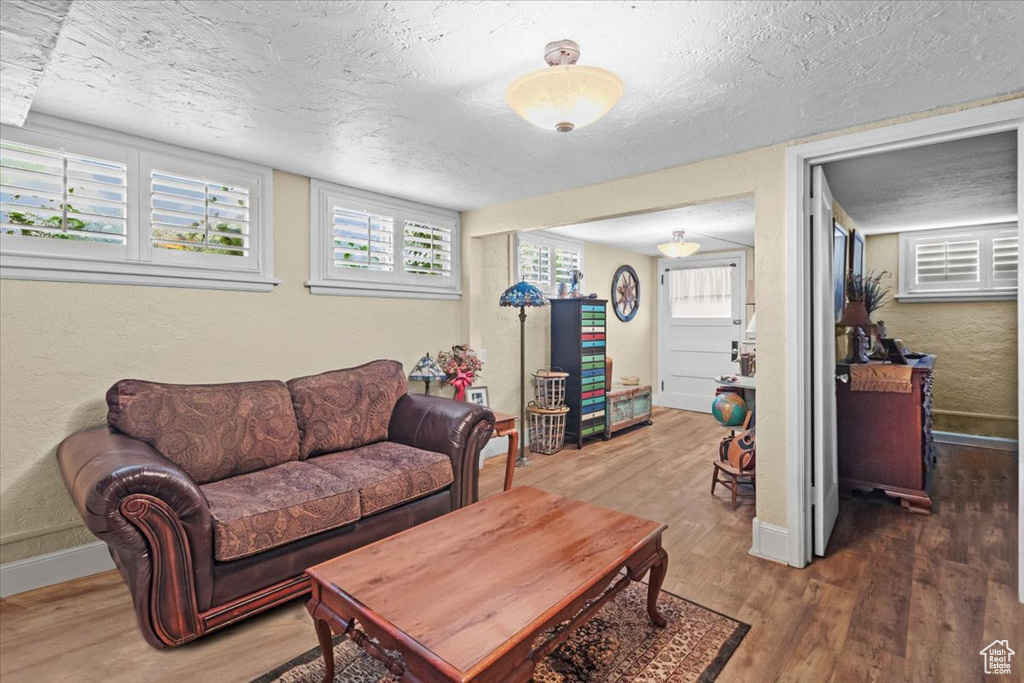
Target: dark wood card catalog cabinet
(578, 342)
(885, 439)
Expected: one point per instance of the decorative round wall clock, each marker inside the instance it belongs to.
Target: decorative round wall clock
(625, 293)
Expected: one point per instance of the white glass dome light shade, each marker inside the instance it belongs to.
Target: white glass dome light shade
(678, 247)
(564, 97)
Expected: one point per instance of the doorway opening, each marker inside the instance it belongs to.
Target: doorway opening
(979, 251)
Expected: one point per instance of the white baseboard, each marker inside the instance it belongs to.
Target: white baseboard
(975, 441)
(770, 542)
(56, 567)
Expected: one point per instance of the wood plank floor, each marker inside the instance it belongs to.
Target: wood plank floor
(899, 597)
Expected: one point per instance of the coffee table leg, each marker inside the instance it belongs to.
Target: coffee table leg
(323, 634)
(510, 458)
(655, 580)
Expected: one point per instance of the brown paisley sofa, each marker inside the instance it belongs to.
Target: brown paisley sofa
(215, 498)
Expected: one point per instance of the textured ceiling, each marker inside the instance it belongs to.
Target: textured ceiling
(947, 184)
(407, 98)
(28, 34)
(714, 226)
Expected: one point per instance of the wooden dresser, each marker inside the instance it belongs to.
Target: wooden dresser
(885, 439)
(578, 343)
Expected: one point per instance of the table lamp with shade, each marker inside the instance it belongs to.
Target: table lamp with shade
(427, 370)
(522, 295)
(855, 316)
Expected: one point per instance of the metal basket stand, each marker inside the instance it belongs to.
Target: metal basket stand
(549, 388)
(547, 428)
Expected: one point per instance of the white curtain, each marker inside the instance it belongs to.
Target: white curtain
(701, 292)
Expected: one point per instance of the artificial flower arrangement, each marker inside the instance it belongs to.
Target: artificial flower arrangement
(869, 289)
(461, 365)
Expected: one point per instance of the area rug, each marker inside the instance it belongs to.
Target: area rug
(618, 645)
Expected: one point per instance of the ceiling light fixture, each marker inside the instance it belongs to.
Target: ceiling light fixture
(564, 96)
(678, 247)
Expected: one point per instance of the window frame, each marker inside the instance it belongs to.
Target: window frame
(551, 242)
(985, 290)
(327, 279)
(73, 262)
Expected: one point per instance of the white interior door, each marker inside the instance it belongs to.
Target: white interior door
(825, 474)
(701, 317)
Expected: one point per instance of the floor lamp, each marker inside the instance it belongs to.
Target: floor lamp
(522, 295)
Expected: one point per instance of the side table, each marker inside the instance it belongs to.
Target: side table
(505, 425)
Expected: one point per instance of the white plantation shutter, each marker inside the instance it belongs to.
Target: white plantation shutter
(51, 193)
(427, 248)
(566, 261)
(950, 261)
(972, 262)
(195, 215)
(1005, 258)
(546, 261)
(535, 264)
(366, 244)
(363, 240)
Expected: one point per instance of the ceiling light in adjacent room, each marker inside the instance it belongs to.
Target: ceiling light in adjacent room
(564, 96)
(678, 247)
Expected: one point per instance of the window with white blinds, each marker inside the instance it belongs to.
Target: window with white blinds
(54, 194)
(365, 244)
(970, 262)
(362, 240)
(195, 215)
(428, 249)
(83, 204)
(546, 261)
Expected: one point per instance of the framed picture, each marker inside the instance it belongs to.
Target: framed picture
(856, 253)
(840, 242)
(477, 395)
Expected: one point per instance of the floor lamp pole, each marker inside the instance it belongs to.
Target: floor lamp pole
(522, 460)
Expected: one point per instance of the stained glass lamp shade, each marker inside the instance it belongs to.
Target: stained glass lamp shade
(428, 371)
(522, 295)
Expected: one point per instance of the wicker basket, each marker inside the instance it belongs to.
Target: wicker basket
(549, 388)
(547, 428)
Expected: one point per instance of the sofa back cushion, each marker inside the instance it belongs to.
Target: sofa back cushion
(212, 431)
(348, 408)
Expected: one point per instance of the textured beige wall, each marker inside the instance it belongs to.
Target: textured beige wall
(62, 345)
(630, 344)
(976, 343)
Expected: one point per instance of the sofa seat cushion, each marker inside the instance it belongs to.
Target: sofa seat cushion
(211, 431)
(347, 408)
(388, 474)
(262, 510)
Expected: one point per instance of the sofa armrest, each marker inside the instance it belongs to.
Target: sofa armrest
(148, 511)
(456, 429)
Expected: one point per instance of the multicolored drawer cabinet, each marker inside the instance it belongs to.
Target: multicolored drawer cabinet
(578, 340)
(628, 406)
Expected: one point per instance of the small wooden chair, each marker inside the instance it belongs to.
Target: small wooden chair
(735, 464)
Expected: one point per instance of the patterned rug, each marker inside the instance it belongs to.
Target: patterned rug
(618, 645)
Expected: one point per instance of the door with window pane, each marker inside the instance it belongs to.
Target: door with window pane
(701, 319)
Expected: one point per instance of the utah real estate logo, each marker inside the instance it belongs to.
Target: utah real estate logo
(997, 657)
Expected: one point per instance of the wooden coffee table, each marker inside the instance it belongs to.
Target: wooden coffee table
(464, 597)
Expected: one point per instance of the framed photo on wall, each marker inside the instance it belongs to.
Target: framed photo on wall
(840, 243)
(477, 395)
(856, 253)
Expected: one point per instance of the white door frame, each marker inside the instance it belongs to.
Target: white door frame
(994, 118)
(663, 263)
